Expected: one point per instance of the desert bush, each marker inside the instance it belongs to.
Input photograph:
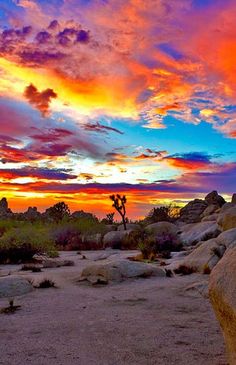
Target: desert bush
(21, 244)
(72, 235)
(161, 245)
(46, 283)
(132, 240)
(168, 213)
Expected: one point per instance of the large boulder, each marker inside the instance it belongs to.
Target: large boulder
(227, 219)
(214, 198)
(12, 286)
(222, 292)
(227, 238)
(114, 239)
(162, 228)
(204, 257)
(129, 226)
(192, 212)
(117, 271)
(210, 210)
(193, 233)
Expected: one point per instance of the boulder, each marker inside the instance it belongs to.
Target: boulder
(227, 219)
(192, 212)
(204, 257)
(233, 200)
(161, 228)
(12, 286)
(117, 271)
(129, 226)
(114, 239)
(225, 207)
(210, 218)
(222, 293)
(193, 233)
(227, 238)
(210, 210)
(54, 263)
(215, 198)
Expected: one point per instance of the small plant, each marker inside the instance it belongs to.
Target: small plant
(109, 218)
(119, 204)
(46, 283)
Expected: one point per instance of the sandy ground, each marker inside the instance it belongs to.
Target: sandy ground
(138, 322)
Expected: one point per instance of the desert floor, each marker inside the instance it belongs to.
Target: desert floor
(137, 322)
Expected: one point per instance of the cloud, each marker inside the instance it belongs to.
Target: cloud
(97, 127)
(41, 100)
(36, 172)
(190, 161)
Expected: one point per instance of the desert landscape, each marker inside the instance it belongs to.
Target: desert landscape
(117, 182)
(156, 304)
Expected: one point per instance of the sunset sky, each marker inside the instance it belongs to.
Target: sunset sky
(116, 96)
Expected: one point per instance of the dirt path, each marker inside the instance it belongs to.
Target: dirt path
(139, 322)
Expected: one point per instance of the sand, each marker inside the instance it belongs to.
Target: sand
(137, 322)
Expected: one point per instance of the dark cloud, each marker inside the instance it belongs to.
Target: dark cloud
(82, 36)
(43, 37)
(41, 100)
(97, 127)
(31, 56)
(39, 173)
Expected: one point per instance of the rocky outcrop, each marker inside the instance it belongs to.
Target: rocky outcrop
(197, 209)
(214, 198)
(192, 212)
(4, 210)
(161, 228)
(118, 271)
(12, 286)
(222, 293)
(204, 257)
(227, 219)
(192, 233)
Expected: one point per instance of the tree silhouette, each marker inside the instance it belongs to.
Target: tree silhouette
(58, 211)
(119, 204)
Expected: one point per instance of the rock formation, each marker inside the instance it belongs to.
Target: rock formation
(222, 292)
(4, 210)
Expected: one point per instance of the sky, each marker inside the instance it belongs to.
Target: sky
(116, 96)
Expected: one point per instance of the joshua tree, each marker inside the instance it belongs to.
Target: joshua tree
(119, 204)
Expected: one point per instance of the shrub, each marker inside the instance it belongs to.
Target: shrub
(167, 213)
(76, 235)
(46, 283)
(161, 245)
(21, 244)
(132, 240)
